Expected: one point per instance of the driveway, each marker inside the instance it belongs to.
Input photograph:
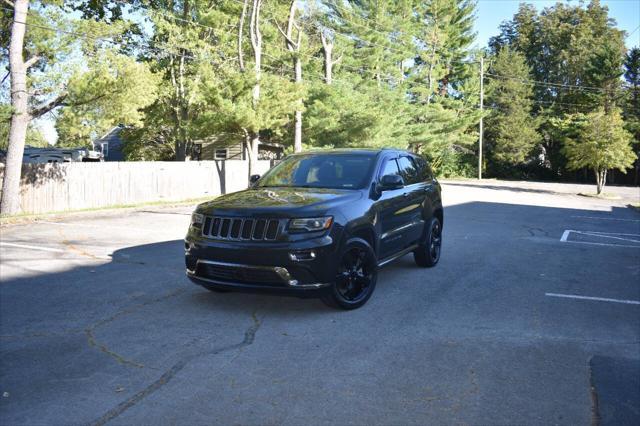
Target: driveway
(531, 317)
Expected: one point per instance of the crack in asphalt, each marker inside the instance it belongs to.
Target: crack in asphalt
(249, 337)
(39, 334)
(94, 342)
(532, 230)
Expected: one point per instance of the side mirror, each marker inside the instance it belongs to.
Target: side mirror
(389, 182)
(253, 179)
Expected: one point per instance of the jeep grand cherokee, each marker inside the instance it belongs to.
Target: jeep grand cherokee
(319, 224)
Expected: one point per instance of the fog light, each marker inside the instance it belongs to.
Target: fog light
(302, 256)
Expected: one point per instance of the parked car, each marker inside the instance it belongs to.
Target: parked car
(319, 224)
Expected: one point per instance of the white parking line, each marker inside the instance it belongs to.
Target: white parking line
(606, 218)
(25, 246)
(609, 235)
(598, 299)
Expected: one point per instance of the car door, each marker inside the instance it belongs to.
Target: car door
(415, 192)
(429, 185)
(392, 213)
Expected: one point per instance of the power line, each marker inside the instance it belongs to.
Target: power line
(544, 83)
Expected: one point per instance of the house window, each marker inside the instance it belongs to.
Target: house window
(221, 154)
(105, 149)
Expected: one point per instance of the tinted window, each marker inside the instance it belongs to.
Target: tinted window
(424, 171)
(348, 171)
(390, 168)
(408, 170)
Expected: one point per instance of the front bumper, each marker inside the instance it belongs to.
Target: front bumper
(262, 265)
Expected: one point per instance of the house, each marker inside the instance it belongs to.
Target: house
(213, 149)
(59, 155)
(110, 145)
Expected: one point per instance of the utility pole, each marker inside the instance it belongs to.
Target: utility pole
(481, 108)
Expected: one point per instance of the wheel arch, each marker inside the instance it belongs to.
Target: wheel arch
(367, 233)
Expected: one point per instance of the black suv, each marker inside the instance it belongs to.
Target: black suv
(319, 224)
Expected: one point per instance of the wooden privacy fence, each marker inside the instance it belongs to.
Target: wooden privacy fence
(73, 186)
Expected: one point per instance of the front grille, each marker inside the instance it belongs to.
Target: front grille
(238, 274)
(235, 228)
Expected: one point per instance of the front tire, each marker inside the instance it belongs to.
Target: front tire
(427, 254)
(356, 276)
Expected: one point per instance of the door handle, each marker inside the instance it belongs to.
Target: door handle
(406, 194)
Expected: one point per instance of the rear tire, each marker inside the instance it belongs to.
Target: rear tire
(356, 276)
(427, 254)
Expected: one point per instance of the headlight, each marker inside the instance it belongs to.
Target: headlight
(311, 224)
(197, 219)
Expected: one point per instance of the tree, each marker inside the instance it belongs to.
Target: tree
(510, 129)
(294, 45)
(599, 141)
(20, 117)
(81, 122)
(631, 111)
(50, 45)
(575, 54)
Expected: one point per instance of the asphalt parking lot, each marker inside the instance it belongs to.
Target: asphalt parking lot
(531, 317)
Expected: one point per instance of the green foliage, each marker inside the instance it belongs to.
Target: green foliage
(147, 143)
(566, 45)
(632, 104)
(413, 89)
(598, 141)
(511, 131)
(340, 115)
(112, 91)
(35, 137)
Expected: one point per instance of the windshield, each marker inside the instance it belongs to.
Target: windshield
(346, 171)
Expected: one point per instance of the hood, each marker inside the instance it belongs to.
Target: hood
(279, 200)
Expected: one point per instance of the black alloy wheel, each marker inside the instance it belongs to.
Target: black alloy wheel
(428, 254)
(356, 276)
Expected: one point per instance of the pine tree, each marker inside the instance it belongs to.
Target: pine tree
(511, 131)
(632, 105)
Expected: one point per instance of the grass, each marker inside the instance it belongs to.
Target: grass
(30, 217)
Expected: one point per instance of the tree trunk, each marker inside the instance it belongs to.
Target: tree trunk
(240, 29)
(430, 84)
(601, 177)
(253, 142)
(294, 47)
(327, 48)
(10, 203)
(256, 45)
(297, 140)
(183, 102)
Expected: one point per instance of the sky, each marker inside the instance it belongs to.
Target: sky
(489, 15)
